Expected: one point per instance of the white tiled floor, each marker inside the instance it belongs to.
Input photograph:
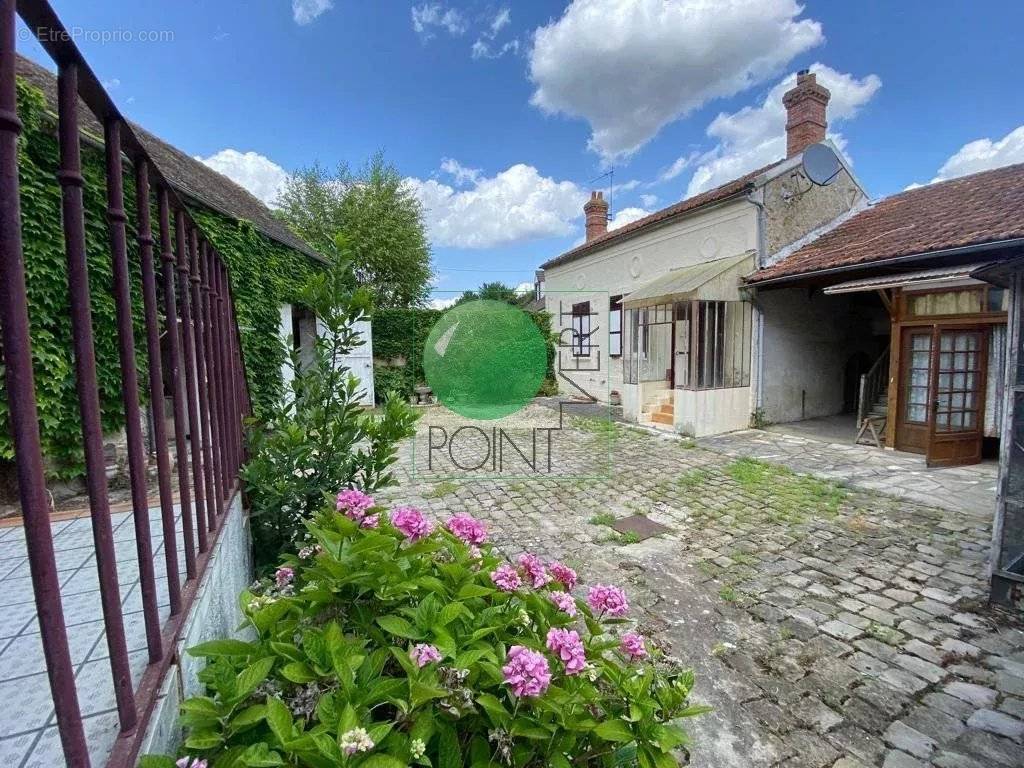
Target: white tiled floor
(28, 733)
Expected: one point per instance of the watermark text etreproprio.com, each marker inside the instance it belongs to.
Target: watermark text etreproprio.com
(102, 36)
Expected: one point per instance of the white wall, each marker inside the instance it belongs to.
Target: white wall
(619, 268)
(712, 411)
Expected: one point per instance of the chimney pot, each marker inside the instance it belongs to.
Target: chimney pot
(596, 212)
(806, 104)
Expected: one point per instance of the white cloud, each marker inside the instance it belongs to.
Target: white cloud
(429, 17)
(443, 303)
(630, 67)
(501, 20)
(460, 173)
(649, 201)
(515, 205)
(306, 11)
(681, 164)
(261, 176)
(627, 216)
(524, 287)
(984, 155)
(756, 135)
(485, 48)
(111, 84)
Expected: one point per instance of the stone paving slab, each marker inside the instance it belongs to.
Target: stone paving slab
(829, 626)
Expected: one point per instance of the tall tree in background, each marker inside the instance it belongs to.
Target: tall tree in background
(380, 219)
(496, 291)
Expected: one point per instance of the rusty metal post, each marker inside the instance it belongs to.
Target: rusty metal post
(156, 382)
(203, 388)
(116, 220)
(71, 181)
(212, 376)
(178, 383)
(195, 426)
(228, 365)
(23, 416)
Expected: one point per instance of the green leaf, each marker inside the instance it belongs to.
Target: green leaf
(204, 740)
(156, 761)
(382, 761)
(226, 647)
(280, 720)
(252, 676)
(493, 707)
(614, 730)
(201, 705)
(449, 753)
(298, 672)
(248, 717)
(420, 693)
(398, 626)
(474, 590)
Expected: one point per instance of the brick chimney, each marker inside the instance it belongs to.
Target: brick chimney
(596, 211)
(805, 113)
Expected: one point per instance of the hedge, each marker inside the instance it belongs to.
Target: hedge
(400, 335)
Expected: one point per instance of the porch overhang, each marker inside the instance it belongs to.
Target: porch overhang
(941, 277)
(717, 280)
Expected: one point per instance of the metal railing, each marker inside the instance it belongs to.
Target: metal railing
(210, 397)
(872, 385)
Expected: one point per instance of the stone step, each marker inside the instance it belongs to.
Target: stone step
(663, 418)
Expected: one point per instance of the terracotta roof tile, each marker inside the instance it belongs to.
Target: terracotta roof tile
(690, 204)
(188, 176)
(982, 208)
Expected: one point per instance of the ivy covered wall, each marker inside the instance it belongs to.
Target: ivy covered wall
(264, 273)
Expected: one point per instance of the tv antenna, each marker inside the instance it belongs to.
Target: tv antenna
(610, 175)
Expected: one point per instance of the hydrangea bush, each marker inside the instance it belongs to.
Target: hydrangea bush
(390, 641)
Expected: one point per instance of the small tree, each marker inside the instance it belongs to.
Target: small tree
(496, 291)
(320, 438)
(381, 219)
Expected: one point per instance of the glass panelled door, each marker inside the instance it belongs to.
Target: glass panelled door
(957, 397)
(915, 395)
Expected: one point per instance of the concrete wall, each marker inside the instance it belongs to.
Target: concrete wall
(214, 614)
(726, 230)
(712, 411)
(804, 354)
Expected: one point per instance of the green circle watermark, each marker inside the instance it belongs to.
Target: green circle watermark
(485, 359)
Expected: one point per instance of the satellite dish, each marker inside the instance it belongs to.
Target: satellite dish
(821, 165)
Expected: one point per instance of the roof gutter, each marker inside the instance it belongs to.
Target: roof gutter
(959, 251)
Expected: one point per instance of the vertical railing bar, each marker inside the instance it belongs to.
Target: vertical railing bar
(213, 376)
(222, 366)
(156, 382)
(179, 383)
(71, 182)
(116, 220)
(232, 407)
(203, 388)
(23, 416)
(195, 427)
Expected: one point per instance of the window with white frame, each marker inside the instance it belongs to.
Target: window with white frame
(581, 329)
(615, 326)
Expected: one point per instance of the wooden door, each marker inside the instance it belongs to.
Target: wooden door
(914, 400)
(957, 396)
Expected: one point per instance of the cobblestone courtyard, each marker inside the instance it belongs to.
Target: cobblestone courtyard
(827, 626)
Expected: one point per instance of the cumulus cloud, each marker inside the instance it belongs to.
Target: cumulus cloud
(306, 11)
(515, 205)
(460, 173)
(984, 155)
(681, 164)
(524, 287)
(428, 18)
(629, 67)
(649, 201)
(627, 216)
(443, 303)
(250, 170)
(756, 135)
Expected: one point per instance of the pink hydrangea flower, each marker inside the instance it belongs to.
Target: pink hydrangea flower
(284, 576)
(564, 574)
(411, 522)
(354, 503)
(423, 654)
(633, 646)
(607, 599)
(526, 672)
(565, 602)
(468, 528)
(534, 570)
(370, 521)
(506, 578)
(567, 646)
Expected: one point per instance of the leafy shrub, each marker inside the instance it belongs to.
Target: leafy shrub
(386, 642)
(319, 438)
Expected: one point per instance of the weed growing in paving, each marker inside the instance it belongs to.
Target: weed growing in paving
(728, 594)
(444, 488)
(788, 497)
(604, 518)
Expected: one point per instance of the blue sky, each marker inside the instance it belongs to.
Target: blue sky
(501, 113)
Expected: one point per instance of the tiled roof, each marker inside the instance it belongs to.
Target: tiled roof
(985, 207)
(715, 195)
(188, 176)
